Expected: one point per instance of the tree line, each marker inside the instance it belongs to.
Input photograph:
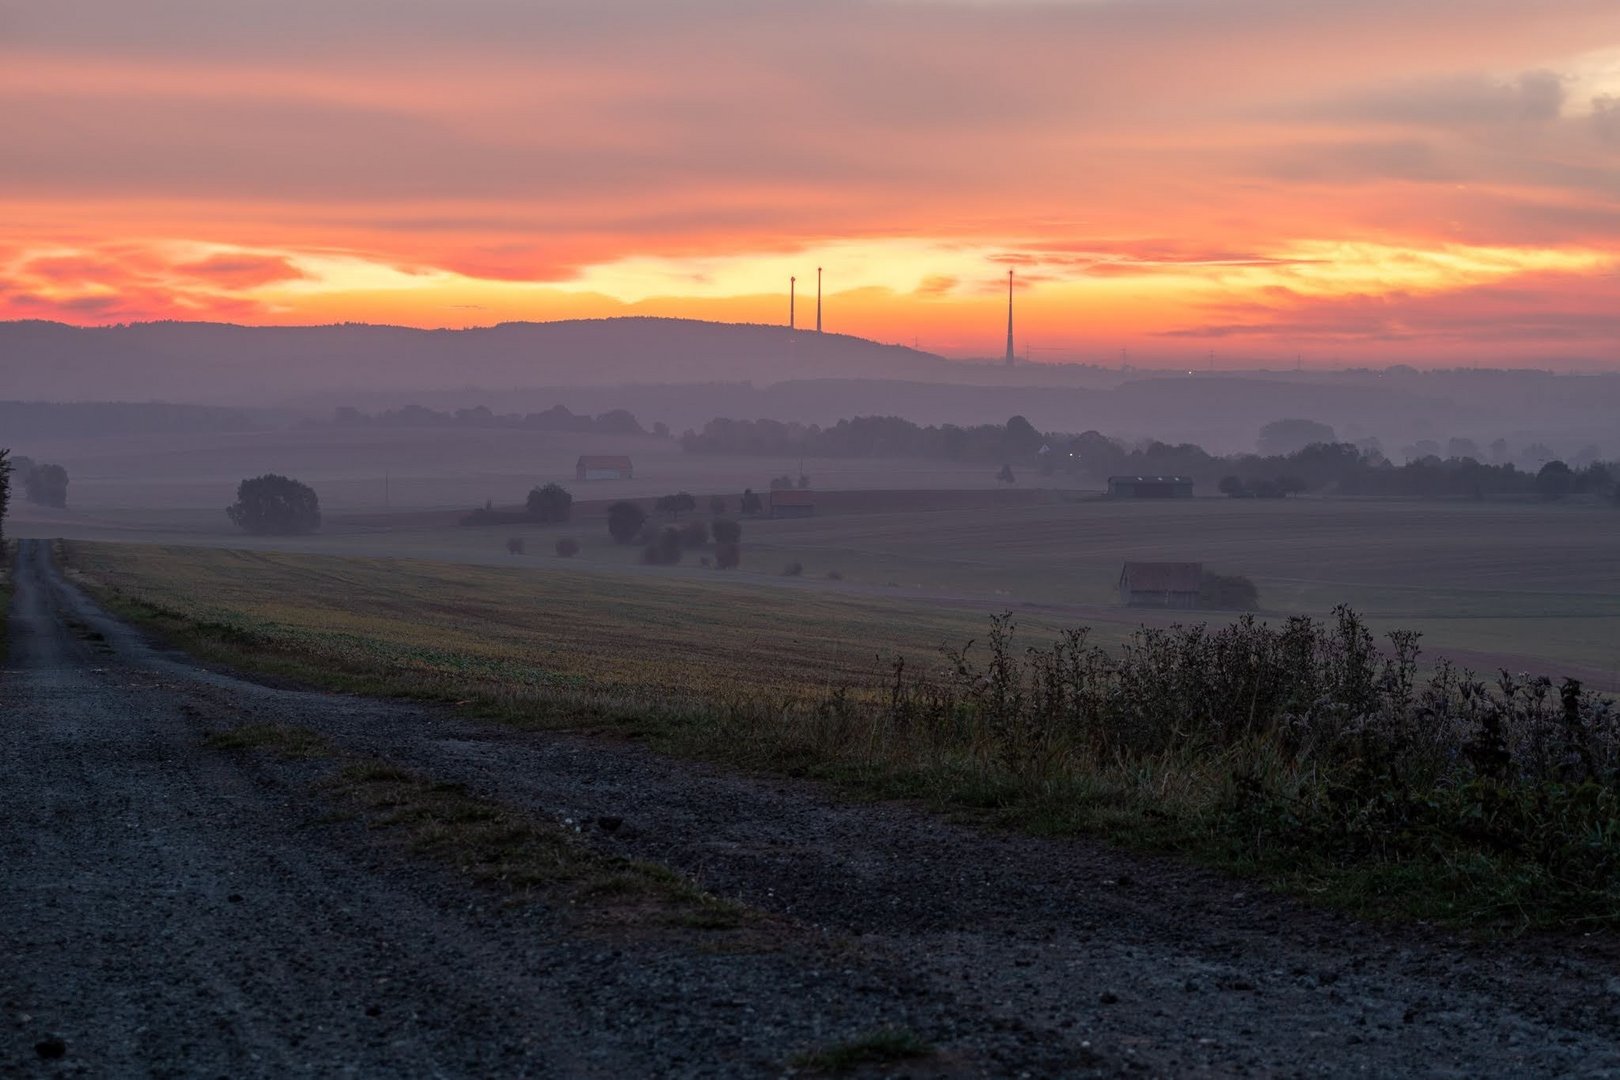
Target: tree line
(558, 418)
(1342, 467)
(868, 436)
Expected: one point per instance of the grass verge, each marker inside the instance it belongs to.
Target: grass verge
(287, 742)
(885, 1046)
(493, 844)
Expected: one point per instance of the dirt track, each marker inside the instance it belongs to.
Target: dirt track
(171, 909)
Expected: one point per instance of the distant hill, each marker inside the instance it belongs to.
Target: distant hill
(215, 362)
(684, 372)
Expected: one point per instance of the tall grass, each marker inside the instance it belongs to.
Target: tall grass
(1304, 750)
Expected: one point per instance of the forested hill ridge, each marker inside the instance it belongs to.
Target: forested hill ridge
(221, 362)
(685, 372)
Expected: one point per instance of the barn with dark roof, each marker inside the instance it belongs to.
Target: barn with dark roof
(1161, 584)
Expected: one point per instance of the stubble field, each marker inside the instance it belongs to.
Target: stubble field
(1531, 586)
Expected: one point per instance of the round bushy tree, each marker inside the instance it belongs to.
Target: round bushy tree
(1555, 480)
(727, 531)
(624, 521)
(46, 485)
(274, 504)
(551, 503)
(665, 549)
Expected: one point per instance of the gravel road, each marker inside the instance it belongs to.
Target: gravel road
(171, 909)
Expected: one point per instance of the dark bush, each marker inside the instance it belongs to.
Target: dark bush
(567, 547)
(1332, 753)
(551, 504)
(273, 504)
(45, 484)
(665, 550)
(624, 521)
(514, 545)
(727, 556)
(751, 504)
(793, 569)
(727, 531)
(1228, 593)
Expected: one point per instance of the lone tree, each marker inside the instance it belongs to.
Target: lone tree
(727, 531)
(551, 503)
(1555, 480)
(46, 485)
(751, 503)
(273, 504)
(624, 521)
(1006, 475)
(665, 549)
(675, 505)
(1286, 436)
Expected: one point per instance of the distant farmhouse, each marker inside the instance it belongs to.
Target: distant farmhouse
(602, 467)
(792, 504)
(1161, 584)
(1150, 487)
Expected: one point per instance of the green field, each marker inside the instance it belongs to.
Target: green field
(478, 628)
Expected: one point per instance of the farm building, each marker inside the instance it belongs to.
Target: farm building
(1161, 584)
(1150, 487)
(792, 504)
(602, 467)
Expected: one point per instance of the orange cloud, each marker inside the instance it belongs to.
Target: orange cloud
(1157, 170)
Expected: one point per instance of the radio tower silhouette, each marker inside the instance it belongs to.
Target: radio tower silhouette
(793, 284)
(1009, 319)
(818, 299)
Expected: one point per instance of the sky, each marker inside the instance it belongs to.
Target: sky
(1230, 183)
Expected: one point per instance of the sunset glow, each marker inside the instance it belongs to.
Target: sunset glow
(1376, 181)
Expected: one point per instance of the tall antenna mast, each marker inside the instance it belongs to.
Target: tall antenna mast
(818, 299)
(792, 285)
(1009, 318)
